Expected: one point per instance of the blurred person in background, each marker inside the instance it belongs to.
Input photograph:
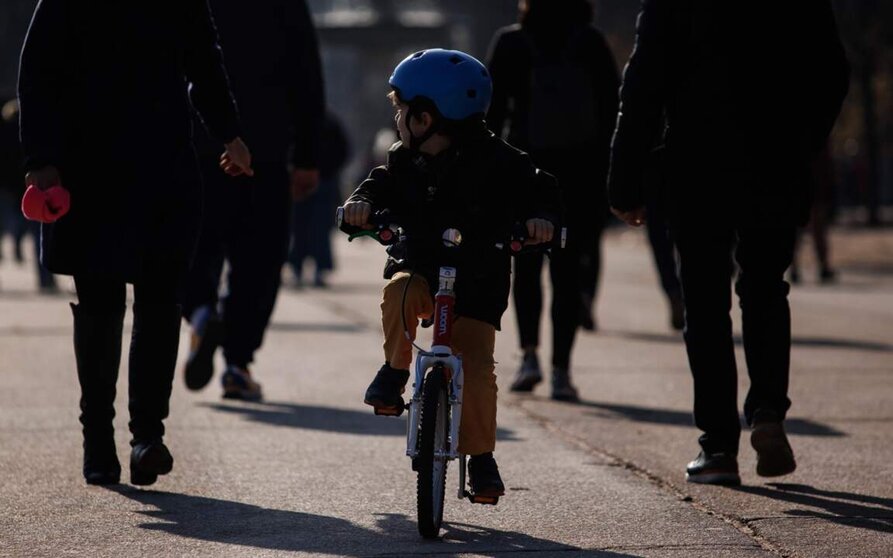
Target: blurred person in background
(312, 217)
(104, 93)
(822, 176)
(12, 222)
(274, 68)
(555, 96)
(11, 183)
(10, 169)
(744, 119)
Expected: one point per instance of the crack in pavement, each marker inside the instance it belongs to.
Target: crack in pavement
(607, 549)
(742, 525)
(848, 518)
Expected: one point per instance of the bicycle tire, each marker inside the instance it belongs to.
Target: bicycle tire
(434, 427)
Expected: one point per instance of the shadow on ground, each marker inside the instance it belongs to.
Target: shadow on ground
(460, 539)
(327, 419)
(235, 523)
(845, 508)
(794, 426)
(809, 342)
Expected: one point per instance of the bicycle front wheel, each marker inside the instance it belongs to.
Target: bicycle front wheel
(434, 445)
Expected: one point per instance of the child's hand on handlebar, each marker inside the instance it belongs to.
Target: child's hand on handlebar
(357, 214)
(539, 231)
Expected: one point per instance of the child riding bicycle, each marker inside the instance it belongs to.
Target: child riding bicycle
(449, 171)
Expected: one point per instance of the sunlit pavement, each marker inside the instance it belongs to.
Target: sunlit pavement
(311, 471)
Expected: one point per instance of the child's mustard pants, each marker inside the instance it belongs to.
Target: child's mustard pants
(473, 340)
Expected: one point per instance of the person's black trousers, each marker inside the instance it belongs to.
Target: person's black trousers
(98, 321)
(662, 249)
(763, 255)
(245, 223)
(590, 236)
(564, 268)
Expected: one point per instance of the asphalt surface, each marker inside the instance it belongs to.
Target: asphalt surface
(311, 472)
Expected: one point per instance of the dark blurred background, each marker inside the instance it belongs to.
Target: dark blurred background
(362, 40)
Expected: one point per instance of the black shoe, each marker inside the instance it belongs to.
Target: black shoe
(101, 465)
(207, 334)
(714, 468)
(238, 384)
(562, 388)
(529, 374)
(386, 390)
(827, 276)
(148, 460)
(587, 313)
(483, 476)
(774, 454)
(677, 313)
(587, 322)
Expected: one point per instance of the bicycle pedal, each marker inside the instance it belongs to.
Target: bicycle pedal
(486, 500)
(388, 411)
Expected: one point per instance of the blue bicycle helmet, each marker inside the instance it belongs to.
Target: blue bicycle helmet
(458, 84)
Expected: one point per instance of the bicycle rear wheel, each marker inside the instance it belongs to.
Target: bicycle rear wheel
(434, 427)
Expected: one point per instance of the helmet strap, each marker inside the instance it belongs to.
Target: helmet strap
(416, 142)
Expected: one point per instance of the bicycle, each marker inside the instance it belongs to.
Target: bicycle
(435, 408)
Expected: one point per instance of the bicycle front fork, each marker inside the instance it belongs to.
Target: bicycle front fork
(453, 365)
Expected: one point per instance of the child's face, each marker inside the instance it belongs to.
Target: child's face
(417, 125)
(400, 116)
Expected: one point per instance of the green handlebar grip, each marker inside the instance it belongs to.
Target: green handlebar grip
(372, 234)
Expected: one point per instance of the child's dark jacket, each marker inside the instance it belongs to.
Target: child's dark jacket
(482, 187)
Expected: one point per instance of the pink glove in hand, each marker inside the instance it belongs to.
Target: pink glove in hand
(45, 206)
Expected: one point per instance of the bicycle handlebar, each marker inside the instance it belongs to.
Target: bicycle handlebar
(386, 230)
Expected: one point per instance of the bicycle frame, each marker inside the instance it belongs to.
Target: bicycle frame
(441, 353)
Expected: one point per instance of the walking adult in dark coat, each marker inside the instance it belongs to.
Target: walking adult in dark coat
(750, 91)
(312, 216)
(274, 67)
(105, 93)
(555, 90)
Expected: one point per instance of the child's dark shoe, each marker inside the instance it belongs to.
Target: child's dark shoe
(483, 477)
(385, 393)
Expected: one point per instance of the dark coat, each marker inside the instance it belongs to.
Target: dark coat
(750, 91)
(481, 187)
(581, 168)
(105, 91)
(272, 59)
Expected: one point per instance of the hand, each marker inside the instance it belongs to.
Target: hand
(357, 214)
(540, 231)
(304, 183)
(236, 160)
(634, 218)
(43, 179)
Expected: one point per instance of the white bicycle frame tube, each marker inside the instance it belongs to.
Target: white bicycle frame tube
(424, 362)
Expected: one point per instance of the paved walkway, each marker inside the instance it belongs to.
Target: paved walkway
(312, 472)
